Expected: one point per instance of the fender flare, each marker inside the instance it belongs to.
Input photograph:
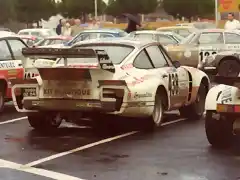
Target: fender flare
(211, 99)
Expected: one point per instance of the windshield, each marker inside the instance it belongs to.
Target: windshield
(51, 41)
(116, 53)
(188, 39)
(49, 32)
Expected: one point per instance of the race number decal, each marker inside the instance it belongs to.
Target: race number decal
(173, 85)
(204, 54)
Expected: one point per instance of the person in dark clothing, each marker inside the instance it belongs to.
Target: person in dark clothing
(59, 28)
(132, 26)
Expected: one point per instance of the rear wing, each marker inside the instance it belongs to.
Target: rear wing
(47, 53)
(231, 81)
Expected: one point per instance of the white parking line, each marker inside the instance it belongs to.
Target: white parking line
(13, 120)
(36, 171)
(49, 158)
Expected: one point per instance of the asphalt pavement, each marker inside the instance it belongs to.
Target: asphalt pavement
(177, 151)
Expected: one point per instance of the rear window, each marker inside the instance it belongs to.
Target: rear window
(116, 54)
(143, 36)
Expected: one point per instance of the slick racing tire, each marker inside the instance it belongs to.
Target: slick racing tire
(229, 68)
(44, 122)
(195, 110)
(219, 130)
(156, 119)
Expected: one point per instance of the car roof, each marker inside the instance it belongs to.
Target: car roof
(58, 37)
(128, 41)
(153, 32)
(114, 31)
(176, 27)
(4, 34)
(34, 29)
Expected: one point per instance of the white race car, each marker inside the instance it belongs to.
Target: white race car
(223, 112)
(110, 77)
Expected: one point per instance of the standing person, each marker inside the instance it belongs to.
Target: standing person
(94, 24)
(232, 23)
(76, 28)
(66, 30)
(59, 26)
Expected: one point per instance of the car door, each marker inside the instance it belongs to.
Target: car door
(16, 46)
(232, 41)
(177, 79)
(210, 43)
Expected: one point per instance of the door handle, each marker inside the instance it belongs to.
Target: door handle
(164, 76)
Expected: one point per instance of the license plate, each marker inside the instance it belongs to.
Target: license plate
(66, 92)
(29, 92)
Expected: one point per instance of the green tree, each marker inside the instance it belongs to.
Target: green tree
(189, 8)
(78, 8)
(117, 7)
(30, 11)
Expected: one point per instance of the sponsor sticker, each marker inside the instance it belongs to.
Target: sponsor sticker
(142, 95)
(227, 95)
(68, 93)
(7, 65)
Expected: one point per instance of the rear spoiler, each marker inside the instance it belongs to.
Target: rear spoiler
(45, 53)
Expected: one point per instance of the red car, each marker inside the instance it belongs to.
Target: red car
(53, 40)
(10, 64)
(29, 40)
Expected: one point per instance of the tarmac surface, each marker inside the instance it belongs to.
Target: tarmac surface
(177, 151)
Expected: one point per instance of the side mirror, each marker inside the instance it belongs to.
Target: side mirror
(176, 64)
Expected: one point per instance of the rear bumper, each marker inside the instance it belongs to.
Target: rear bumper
(68, 105)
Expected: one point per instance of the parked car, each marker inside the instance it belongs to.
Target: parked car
(222, 122)
(165, 38)
(29, 40)
(199, 25)
(38, 32)
(199, 45)
(53, 40)
(183, 31)
(96, 33)
(10, 64)
(107, 78)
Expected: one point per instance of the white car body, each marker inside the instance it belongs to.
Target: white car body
(137, 87)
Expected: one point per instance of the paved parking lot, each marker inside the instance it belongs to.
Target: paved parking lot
(179, 150)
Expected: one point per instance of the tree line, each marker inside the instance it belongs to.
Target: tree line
(30, 11)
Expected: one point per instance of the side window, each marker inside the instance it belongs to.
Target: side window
(156, 56)
(16, 46)
(165, 40)
(103, 35)
(232, 38)
(183, 32)
(23, 33)
(35, 34)
(211, 38)
(142, 61)
(4, 51)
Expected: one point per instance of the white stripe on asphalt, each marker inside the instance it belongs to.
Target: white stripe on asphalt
(55, 156)
(36, 171)
(13, 120)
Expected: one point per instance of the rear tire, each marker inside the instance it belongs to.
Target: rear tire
(156, 119)
(229, 68)
(196, 109)
(44, 122)
(219, 130)
(2, 98)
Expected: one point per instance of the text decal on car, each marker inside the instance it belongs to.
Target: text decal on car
(104, 61)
